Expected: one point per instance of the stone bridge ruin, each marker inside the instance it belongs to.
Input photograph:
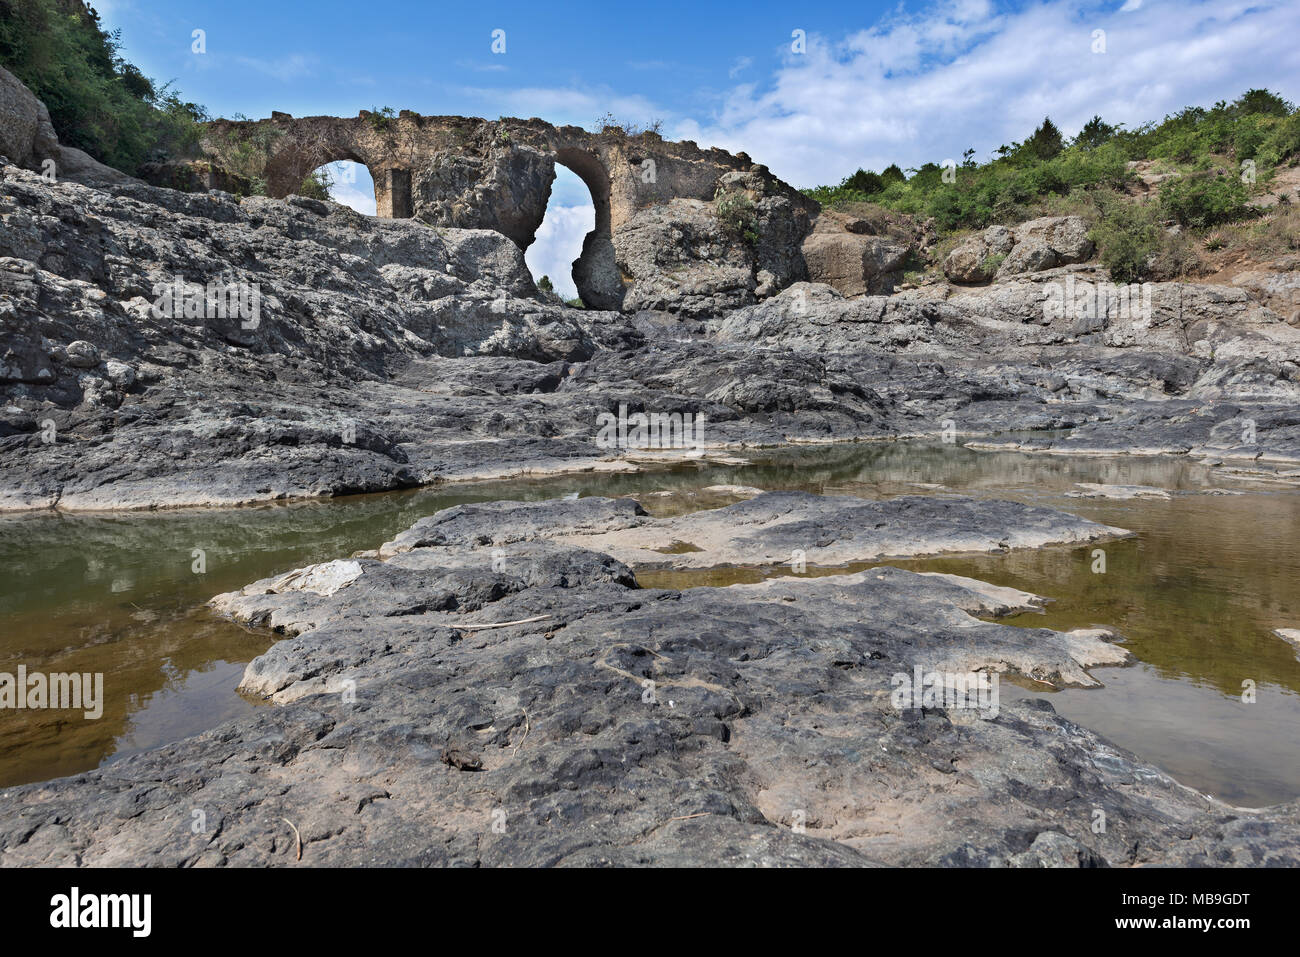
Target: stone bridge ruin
(677, 227)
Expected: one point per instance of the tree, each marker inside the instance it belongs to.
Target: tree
(1095, 132)
(1261, 101)
(98, 102)
(316, 185)
(865, 181)
(892, 174)
(545, 285)
(1046, 141)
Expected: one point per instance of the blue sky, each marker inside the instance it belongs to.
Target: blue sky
(877, 82)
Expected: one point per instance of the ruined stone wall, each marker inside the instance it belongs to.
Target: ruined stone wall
(649, 193)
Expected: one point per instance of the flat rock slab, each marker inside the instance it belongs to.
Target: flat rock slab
(771, 528)
(1095, 490)
(603, 723)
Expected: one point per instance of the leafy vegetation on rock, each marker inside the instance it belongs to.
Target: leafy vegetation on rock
(1196, 170)
(98, 102)
(737, 216)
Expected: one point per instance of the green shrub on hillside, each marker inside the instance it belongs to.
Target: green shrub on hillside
(1282, 142)
(1205, 199)
(1127, 236)
(1026, 177)
(1134, 244)
(97, 101)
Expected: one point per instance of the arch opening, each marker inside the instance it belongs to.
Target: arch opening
(557, 244)
(345, 182)
(595, 272)
(322, 170)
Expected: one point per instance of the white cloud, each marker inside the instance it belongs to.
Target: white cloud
(918, 88)
(352, 186)
(558, 244)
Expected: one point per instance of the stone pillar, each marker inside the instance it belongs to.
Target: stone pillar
(393, 194)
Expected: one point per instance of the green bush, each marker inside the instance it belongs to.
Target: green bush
(1027, 176)
(1127, 237)
(892, 174)
(1205, 199)
(1281, 143)
(1248, 137)
(381, 118)
(865, 182)
(1045, 142)
(316, 185)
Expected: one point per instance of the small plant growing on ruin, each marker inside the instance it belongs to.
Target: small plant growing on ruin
(611, 126)
(736, 213)
(381, 118)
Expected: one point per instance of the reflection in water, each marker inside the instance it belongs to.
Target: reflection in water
(1196, 594)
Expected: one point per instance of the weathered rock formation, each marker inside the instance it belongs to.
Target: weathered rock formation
(386, 353)
(1033, 246)
(845, 253)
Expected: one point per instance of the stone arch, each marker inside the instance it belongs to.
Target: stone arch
(287, 167)
(473, 173)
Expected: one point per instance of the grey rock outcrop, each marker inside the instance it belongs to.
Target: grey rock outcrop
(391, 353)
(846, 254)
(1030, 247)
(27, 137)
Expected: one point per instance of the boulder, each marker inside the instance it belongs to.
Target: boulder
(82, 354)
(1001, 251)
(1028, 255)
(26, 134)
(853, 264)
(1066, 236)
(678, 257)
(969, 262)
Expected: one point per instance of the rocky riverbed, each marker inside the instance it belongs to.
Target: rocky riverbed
(602, 723)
